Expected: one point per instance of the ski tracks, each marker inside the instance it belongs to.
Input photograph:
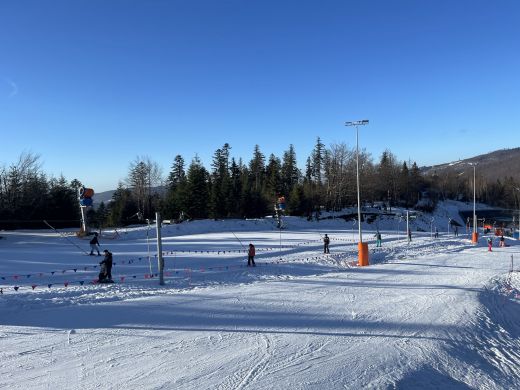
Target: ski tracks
(245, 377)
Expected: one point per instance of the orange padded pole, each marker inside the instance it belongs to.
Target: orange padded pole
(362, 254)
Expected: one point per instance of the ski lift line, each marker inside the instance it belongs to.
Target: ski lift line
(188, 271)
(86, 268)
(64, 236)
(238, 240)
(173, 253)
(338, 257)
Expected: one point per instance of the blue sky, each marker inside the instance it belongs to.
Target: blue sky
(91, 85)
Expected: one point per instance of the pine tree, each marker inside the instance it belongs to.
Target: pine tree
(273, 185)
(317, 161)
(388, 173)
(197, 190)
(220, 182)
(257, 169)
(404, 184)
(175, 200)
(290, 174)
(63, 202)
(123, 208)
(235, 189)
(177, 173)
(416, 184)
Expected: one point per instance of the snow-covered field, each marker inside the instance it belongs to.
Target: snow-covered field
(435, 313)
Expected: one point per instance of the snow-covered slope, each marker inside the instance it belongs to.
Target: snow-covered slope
(433, 313)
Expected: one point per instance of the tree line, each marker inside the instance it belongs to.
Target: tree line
(232, 188)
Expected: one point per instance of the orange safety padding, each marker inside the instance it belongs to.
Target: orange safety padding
(362, 254)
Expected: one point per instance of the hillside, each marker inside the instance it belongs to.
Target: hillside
(431, 313)
(491, 166)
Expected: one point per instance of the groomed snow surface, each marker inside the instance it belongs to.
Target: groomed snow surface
(435, 313)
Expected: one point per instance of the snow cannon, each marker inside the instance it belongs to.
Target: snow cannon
(281, 203)
(86, 192)
(86, 202)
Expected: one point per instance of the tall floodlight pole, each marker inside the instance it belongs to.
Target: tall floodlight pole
(474, 237)
(518, 189)
(160, 259)
(363, 248)
(408, 226)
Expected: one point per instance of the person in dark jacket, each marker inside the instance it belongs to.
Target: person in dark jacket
(94, 245)
(326, 242)
(251, 256)
(106, 266)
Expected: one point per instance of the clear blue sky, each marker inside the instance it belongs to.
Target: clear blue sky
(91, 85)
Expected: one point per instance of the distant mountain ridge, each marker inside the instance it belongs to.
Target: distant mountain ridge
(492, 166)
(104, 197)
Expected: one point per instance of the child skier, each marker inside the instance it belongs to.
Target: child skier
(94, 245)
(490, 244)
(378, 239)
(251, 256)
(105, 271)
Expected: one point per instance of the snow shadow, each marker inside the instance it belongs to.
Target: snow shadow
(432, 265)
(429, 378)
(205, 313)
(378, 284)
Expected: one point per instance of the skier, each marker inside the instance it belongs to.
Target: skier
(251, 256)
(378, 239)
(105, 272)
(409, 235)
(94, 245)
(326, 242)
(502, 241)
(490, 244)
(456, 231)
(436, 233)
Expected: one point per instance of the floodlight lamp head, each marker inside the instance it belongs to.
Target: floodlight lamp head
(357, 123)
